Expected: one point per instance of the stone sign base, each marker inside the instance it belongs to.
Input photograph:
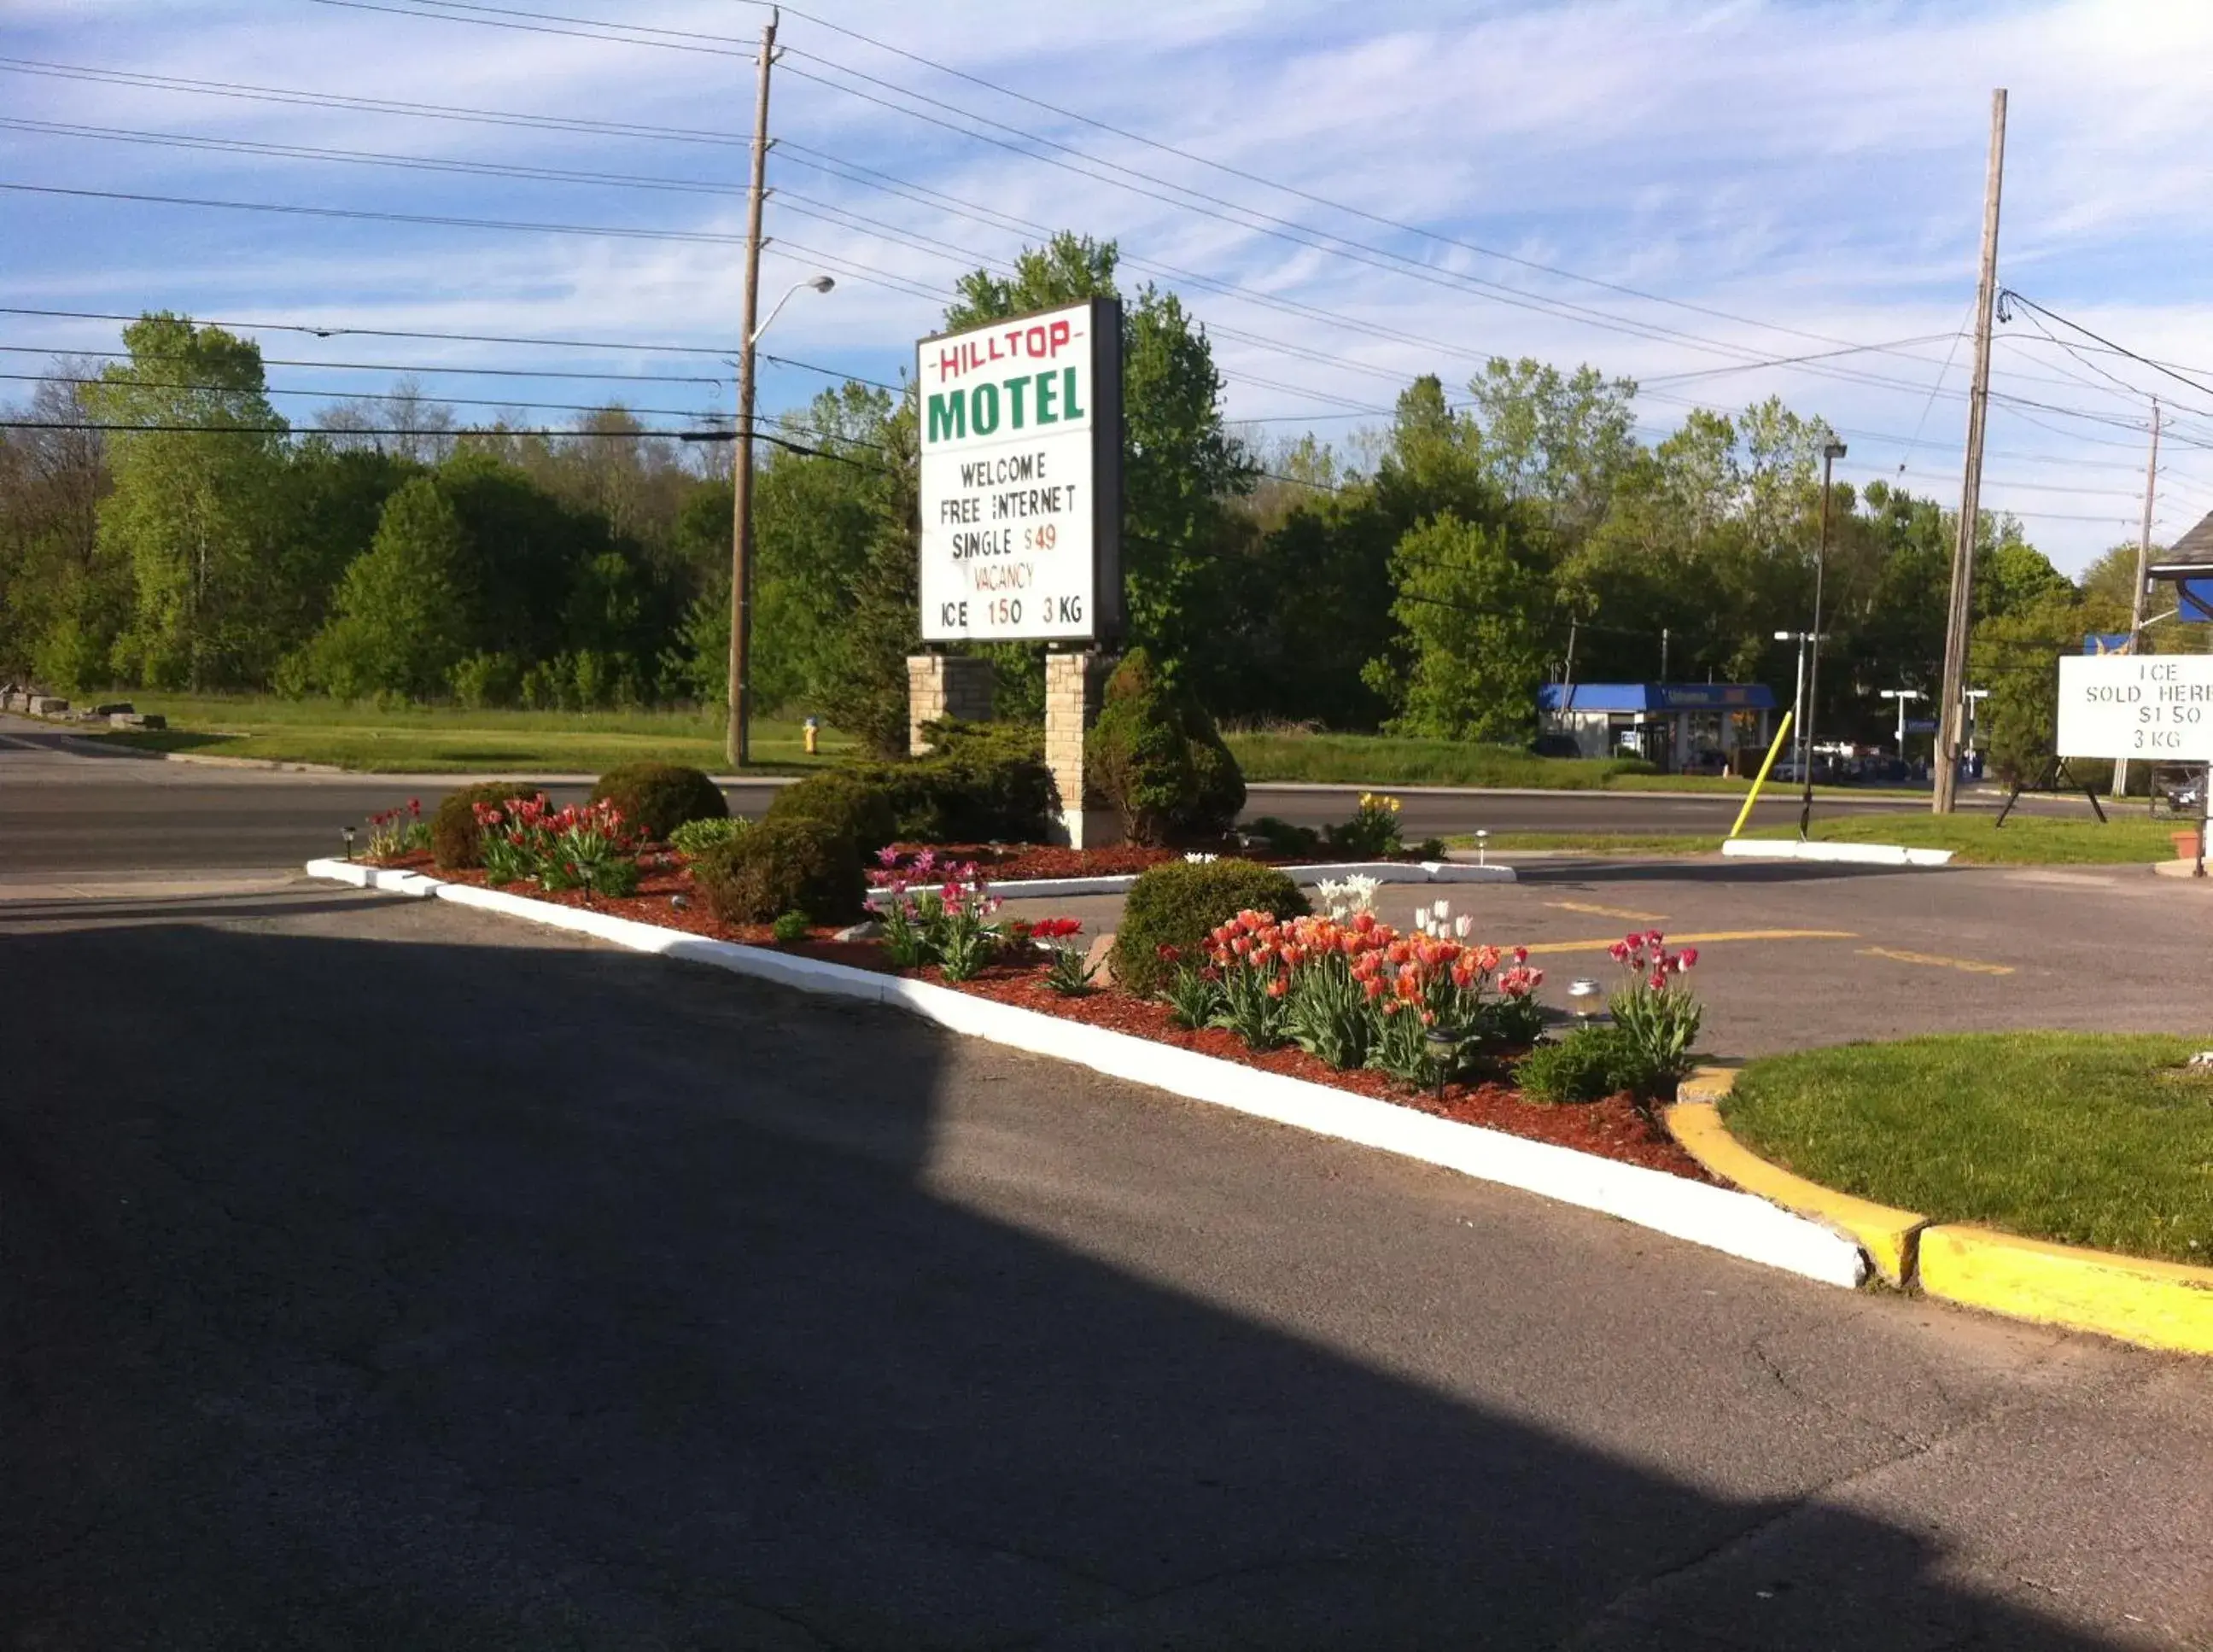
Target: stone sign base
(954, 685)
(1075, 687)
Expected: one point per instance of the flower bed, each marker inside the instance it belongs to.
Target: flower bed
(1428, 1020)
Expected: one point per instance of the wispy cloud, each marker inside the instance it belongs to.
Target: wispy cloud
(1813, 171)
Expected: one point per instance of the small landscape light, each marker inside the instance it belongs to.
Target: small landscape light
(682, 903)
(1583, 995)
(1443, 1047)
(348, 831)
(1482, 847)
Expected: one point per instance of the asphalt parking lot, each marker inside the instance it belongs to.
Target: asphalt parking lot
(1790, 956)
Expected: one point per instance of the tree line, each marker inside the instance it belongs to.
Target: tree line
(1422, 576)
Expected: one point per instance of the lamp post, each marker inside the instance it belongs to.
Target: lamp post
(737, 743)
(1798, 694)
(1902, 695)
(1830, 452)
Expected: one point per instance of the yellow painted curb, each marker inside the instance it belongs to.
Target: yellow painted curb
(2154, 1304)
(1888, 1236)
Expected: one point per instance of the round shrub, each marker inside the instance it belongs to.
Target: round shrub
(782, 866)
(1158, 761)
(657, 798)
(1590, 1064)
(456, 839)
(1175, 905)
(852, 802)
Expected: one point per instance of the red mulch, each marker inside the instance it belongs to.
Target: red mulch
(1612, 1128)
(1004, 863)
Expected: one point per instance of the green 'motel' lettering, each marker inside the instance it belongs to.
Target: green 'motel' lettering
(1014, 388)
(1048, 394)
(948, 415)
(1068, 393)
(983, 408)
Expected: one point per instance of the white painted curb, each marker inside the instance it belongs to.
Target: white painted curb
(1719, 1218)
(1382, 871)
(1787, 849)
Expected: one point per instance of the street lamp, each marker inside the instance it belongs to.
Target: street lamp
(737, 745)
(1798, 693)
(1902, 695)
(1830, 452)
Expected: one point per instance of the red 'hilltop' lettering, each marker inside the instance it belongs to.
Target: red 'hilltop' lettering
(1038, 341)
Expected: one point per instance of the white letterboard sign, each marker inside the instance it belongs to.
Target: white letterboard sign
(2158, 706)
(1021, 478)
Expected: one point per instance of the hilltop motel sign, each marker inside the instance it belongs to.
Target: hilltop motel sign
(2154, 706)
(1021, 478)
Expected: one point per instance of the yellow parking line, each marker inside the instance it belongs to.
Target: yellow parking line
(1702, 939)
(1968, 964)
(1608, 912)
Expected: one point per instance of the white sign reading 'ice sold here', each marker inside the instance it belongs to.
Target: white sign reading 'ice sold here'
(2158, 706)
(1021, 435)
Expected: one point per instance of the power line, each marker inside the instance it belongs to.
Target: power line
(612, 345)
(477, 434)
(2122, 350)
(1280, 229)
(835, 165)
(286, 390)
(396, 367)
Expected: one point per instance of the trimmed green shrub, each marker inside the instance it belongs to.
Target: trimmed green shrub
(782, 866)
(657, 798)
(855, 802)
(1281, 837)
(692, 837)
(987, 780)
(1590, 1064)
(1177, 904)
(1158, 761)
(456, 839)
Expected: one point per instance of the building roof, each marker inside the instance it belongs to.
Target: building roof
(2190, 554)
(1655, 696)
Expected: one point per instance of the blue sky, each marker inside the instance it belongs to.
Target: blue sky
(1766, 180)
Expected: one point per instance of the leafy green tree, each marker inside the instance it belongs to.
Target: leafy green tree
(198, 505)
(1473, 617)
(862, 688)
(398, 623)
(63, 600)
(1558, 440)
(2016, 656)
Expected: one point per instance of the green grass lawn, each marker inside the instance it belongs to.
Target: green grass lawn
(1974, 839)
(1386, 760)
(1391, 760)
(2084, 1138)
(446, 739)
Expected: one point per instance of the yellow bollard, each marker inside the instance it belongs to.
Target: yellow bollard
(811, 730)
(1745, 814)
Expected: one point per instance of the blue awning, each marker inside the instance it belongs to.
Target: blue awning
(1633, 698)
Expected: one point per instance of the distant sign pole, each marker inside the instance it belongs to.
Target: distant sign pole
(2144, 577)
(1022, 484)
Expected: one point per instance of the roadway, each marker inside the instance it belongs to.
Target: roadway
(64, 802)
(379, 1273)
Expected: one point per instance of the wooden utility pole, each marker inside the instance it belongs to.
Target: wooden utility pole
(2143, 565)
(737, 745)
(1960, 617)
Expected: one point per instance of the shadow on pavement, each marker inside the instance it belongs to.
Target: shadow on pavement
(427, 1295)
